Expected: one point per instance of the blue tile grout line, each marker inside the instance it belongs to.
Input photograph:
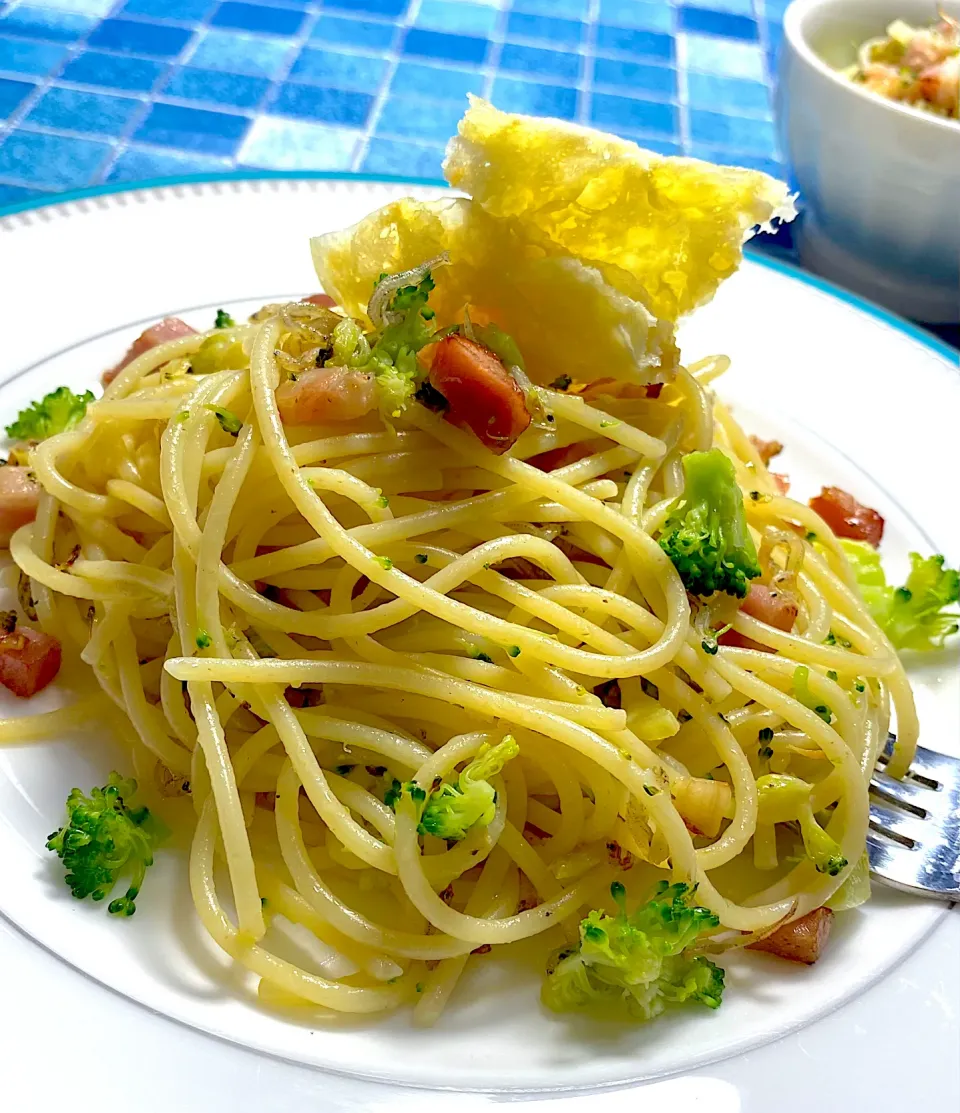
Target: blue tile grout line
(499, 37)
(376, 109)
(95, 92)
(588, 64)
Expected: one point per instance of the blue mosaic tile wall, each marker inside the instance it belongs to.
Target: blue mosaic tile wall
(95, 91)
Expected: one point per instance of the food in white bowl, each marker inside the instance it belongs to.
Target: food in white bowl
(919, 66)
(879, 178)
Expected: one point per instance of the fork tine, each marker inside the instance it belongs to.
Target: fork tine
(909, 869)
(882, 851)
(908, 793)
(936, 766)
(914, 837)
(897, 822)
(894, 864)
(928, 763)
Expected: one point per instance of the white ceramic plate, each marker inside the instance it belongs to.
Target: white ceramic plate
(859, 402)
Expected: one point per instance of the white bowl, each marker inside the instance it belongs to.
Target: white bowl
(879, 181)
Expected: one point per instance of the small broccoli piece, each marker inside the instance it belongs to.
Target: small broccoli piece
(392, 795)
(229, 422)
(635, 964)
(395, 387)
(801, 689)
(451, 811)
(56, 412)
(392, 355)
(393, 358)
(105, 838)
(913, 616)
(917, 619)
(706, 535)
(783, 799)
(413, 297)
(224, 320)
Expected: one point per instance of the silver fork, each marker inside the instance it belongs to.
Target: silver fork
(914, 836)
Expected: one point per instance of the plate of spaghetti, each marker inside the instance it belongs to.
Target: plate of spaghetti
(447, 667)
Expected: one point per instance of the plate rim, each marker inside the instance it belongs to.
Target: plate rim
(752, 252)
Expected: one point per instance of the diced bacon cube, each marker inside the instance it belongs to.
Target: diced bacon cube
(170, 328)
(19, 498)
(800, 941)
(29, 660)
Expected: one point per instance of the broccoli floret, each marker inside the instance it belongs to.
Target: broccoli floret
(105, 838)
(636, 964)
(393, 357)
(392, 354)
(224, 320)
(706, 535)
(396, 385)
(801, 689)
(917, 618)
(782, 799)
(452, 811)
(914, 616)
(413, 297)
(56, 412)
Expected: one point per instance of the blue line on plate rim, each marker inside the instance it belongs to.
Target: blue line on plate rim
(900, 324)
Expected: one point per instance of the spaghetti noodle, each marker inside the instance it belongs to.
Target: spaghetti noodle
(415, 670)
(284, 620)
